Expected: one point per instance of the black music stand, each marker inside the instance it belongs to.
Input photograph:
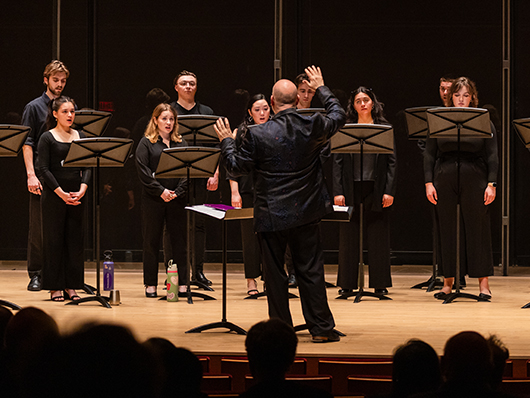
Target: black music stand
(363, 138)
(522, 127)
(12, 137)
(418, 129)
(224, 215)
(311, 111)
(189, 162)
(451, 122)
(97, 152)
(93, 123)
(197, 129)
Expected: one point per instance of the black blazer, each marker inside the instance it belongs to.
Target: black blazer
(285, 156)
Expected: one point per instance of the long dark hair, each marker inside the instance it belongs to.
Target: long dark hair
(54, 106)
(377, 107)
(248, 120)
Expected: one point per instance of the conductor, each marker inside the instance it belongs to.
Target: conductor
(290, 196)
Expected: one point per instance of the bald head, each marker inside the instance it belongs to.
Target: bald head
(284, 95)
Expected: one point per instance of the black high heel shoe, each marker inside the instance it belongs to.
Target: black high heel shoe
(73, 297)
(150, 295)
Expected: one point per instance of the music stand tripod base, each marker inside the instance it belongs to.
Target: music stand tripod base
(223, 324)
(8, 304)
(453, 296)
(104, 301)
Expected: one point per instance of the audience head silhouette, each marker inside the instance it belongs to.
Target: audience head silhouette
(271, 348)
(180, 371)
(466, 360)
(416, 369)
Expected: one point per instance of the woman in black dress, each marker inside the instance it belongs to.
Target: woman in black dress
(62, 208)
(479, 164)
(163, 200)
(242, 192)
(376, 190)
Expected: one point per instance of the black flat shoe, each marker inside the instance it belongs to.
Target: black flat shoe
(381, 291)
(150, 295)
(345, 291)
(199, 277)
(485, 296)
(34, 284)
(441, 296)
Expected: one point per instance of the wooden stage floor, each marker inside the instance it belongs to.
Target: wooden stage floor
(373, 328)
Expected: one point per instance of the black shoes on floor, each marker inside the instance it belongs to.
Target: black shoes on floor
(34, 284)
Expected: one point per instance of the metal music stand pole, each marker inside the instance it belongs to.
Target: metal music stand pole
(93, 123)
(97, 152)
(197, 130)
(189, 162)
(12, 137)
(451, 122)
(363, 138)
(418, 129)
(224, 214)
(522, 127)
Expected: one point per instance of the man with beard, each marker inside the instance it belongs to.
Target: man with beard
(34, 116)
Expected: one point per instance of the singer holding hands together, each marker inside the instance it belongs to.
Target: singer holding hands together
(163, 200)
(62, 207)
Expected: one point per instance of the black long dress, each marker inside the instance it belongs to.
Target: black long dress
(62, 224)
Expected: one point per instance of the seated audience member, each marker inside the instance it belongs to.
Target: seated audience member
(271, 348)
(415, 369)
(96, 361)
(466, 368)
(499, 356)
(27, 334)
(179, 370)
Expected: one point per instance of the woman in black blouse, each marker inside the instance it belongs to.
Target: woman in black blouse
(62, 208)
(242, 193)
(163, 200)
(478, 175)
(376, 190)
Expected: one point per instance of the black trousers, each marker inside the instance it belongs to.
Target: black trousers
(475, 230)
(306, 248)
(199, 196)
(251, 251)
(63, 234)
(35, 250)
(376, 236)
(155, 214)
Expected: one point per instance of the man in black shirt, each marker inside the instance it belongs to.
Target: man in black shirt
(34, 116)
(186, 88)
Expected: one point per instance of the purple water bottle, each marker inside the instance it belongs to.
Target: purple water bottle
(108, 271)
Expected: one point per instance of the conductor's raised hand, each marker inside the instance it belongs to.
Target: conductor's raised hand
(222, 128)
(315, 77)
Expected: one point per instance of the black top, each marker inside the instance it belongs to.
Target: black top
(49, 166)
(285, 156)
(484, 149)
(198, 109)
(147, 158)
(34, 116)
